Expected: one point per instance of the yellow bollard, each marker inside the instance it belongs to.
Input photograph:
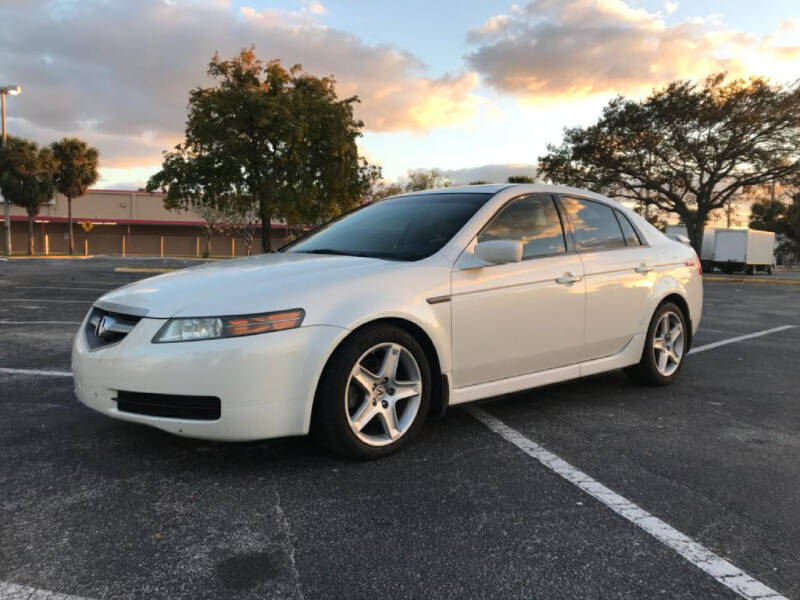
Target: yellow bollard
(162, 246)
(86, 247)
(197, 247)
(46, 244)
(233, 247)
(123, 246)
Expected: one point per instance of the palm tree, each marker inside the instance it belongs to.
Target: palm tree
(26, 178)
(77, 170)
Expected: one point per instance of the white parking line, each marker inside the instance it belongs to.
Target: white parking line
(7, 371)
(12, 591)
(697, 554)
(739, 338)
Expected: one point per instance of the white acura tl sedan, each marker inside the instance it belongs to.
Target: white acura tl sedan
(358, 330)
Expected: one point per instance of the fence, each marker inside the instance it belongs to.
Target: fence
(131, 245)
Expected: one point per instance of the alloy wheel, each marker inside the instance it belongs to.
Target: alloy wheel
(669, 343)
(383, 394)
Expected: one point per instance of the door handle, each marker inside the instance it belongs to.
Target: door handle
(567, 278)
(643, 268)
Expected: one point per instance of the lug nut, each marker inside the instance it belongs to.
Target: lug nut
(385, 404)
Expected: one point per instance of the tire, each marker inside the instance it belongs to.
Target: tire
(651, 370)
(367, 413)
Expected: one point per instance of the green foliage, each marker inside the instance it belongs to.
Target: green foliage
(521, 179)
(768, 215)
(77, 166)
(27, 177)
(77, 170)
(687, 148)
(423, 179)
(478, 182)
(265, 138)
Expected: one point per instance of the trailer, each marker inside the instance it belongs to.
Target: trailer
(746, 250)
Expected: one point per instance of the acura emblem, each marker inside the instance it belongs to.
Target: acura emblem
(103, 325)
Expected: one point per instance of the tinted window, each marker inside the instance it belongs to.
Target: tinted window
(631, 237)
(596, 227)
(533, 221)
(404, 228)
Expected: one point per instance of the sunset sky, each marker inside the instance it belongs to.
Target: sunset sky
(451, 85)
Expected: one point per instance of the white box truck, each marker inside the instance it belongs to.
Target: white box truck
(743, 250)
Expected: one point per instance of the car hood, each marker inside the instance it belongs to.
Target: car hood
(259, 283)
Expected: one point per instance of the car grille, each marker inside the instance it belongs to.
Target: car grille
(194, 408)
(104, 328)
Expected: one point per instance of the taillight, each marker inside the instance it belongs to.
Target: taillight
(692, 263)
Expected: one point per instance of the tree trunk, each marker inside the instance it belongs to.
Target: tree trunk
(695, 226)
(266, 242)
(69, 219)
(30, 234)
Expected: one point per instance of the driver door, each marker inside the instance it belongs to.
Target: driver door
(518, 318)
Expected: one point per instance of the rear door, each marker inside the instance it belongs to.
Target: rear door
(619, 270)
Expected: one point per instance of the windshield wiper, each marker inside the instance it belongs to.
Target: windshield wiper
(330, 251)
(384, 255)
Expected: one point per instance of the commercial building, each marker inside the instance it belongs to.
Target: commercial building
(124, 222)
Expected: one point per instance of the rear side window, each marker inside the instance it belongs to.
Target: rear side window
(532, 220)
(631, 237)
(596, 227)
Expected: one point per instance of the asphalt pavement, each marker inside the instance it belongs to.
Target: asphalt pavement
(96, 508)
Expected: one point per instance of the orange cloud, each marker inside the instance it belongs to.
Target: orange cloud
(556, 48)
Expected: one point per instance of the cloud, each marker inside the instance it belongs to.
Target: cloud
(551, 49)
(317, 8)
(118, 73)
(491, 173)
(670, 7)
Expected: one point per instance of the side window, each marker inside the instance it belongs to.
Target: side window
(596, 227)
(631, 237)
(533, 221)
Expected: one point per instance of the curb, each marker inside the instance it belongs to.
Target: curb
(726, 279)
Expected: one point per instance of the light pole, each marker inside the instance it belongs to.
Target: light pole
(12, 90)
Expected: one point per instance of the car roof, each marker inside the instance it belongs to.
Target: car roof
(494, 188)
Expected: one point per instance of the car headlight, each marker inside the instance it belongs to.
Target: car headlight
(209, 328)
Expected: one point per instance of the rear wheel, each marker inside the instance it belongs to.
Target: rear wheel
(374, 394)
(664, 349)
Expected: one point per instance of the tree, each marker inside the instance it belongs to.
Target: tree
(478, 182)
(792, 227)
(521, 179)
(423, 179)
(768, 215)
(687, 148)
(77, 170)
(26, 178)
(279, 140)
(196, 182)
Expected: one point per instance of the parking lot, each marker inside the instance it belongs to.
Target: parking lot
(97, 508)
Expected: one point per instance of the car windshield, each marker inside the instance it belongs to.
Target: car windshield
(403, 228)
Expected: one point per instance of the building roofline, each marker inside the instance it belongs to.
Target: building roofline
(110, 220)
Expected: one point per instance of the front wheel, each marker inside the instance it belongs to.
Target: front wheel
(373, 395)
(664, 349)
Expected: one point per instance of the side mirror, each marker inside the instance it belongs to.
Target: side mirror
(497, 252)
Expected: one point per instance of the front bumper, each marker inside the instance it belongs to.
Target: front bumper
(265, 382)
